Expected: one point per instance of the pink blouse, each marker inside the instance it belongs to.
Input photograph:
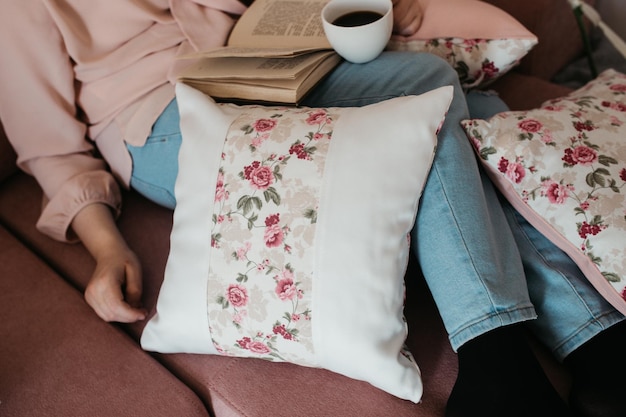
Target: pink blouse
(75, 72)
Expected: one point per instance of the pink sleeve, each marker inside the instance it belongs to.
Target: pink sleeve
(38, 111)
(194, 16)
(78, 192)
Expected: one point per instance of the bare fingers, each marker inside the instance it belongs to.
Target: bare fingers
(407, 17)
(109, 305)
(114, 293)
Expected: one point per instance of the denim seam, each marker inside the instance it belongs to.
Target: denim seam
(515, 315)
(548, 264)
(603, 321)
(155, 140)
(464, 242)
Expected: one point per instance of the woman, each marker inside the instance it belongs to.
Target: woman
(103, 71)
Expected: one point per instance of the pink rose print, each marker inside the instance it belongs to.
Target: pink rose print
(237, 295)
(554, 107)
(624, 293)
(260, 176)
(274, 234)
(547, 137)
(282, 331)
(258, 140)
(615, 121)
(299, 150)
(253, 346)
(503, 164)
(584, 126)
(242, 252)
(468, 44)
(258, 347)
(317, 117)
(620, 88)
(585, 229)
(555, 192)
(614, 106)
(244, 342)
(582, 155)
(489, 69)
(622, 174)
(220, 190)
(530, 125)
(272, 219)
(239, 316)
(286, 288)
(514, 171)
(264, 125)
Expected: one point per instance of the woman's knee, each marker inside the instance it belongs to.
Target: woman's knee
(419, 72)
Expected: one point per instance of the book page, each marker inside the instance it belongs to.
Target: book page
(252, 68)
(243, 52)
(272, 90)
(281, 24)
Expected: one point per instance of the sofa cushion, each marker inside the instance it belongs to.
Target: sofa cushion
(58, 358)
(563, 166)
(455, 30)
(288, 223)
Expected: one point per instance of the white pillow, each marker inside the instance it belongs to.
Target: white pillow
(563, 166)
(290, 236)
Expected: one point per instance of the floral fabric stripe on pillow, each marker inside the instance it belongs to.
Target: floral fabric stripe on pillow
(263, 234)
(563, 166)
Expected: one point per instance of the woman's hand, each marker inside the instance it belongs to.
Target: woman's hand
(114, 291)
(407, 17)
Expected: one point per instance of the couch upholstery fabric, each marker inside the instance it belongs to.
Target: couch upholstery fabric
(58, 359)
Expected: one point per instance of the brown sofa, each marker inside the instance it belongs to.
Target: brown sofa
(58, 359)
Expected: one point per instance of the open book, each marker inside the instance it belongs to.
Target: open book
(276, 53)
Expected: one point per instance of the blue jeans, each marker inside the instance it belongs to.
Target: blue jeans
(464, 240)
(155, 164)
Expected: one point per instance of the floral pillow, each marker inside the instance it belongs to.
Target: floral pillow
(456, 30)
(563, 166)
(290, 236)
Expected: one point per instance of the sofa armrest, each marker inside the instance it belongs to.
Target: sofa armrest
(554, 24)
(7, 156)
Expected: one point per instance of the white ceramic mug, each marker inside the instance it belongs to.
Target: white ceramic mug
(363, 42)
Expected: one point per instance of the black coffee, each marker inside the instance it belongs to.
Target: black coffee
(358, 18)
